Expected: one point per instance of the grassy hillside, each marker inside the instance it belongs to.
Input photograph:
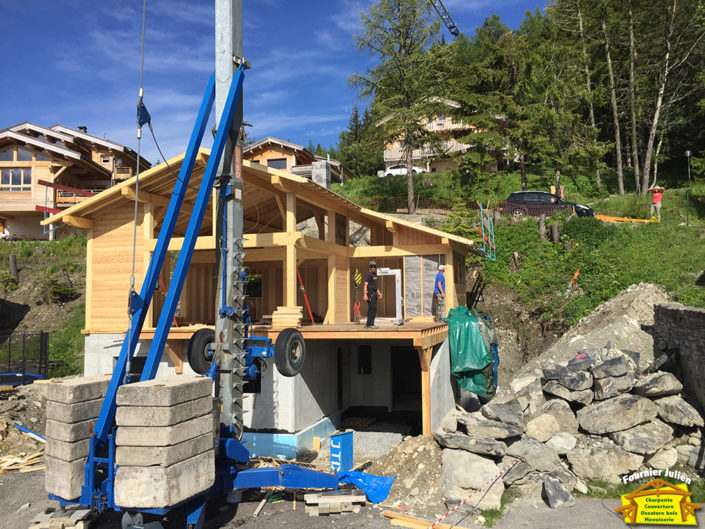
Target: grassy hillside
(44, 299)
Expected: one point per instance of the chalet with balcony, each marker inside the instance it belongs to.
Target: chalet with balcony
(426, 157)
(287, 156)
(46, 170)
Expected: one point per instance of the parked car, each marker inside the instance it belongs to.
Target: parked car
(521, 203)
(401, 170)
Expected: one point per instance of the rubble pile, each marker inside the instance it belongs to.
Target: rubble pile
(597, 416)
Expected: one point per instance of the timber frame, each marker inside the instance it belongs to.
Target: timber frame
(275, 204)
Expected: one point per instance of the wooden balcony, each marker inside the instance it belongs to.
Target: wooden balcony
(396, 154)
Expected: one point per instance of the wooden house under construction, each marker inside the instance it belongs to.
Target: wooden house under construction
(301, 265)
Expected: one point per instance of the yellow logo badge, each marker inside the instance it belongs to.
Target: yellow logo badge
(659, 502)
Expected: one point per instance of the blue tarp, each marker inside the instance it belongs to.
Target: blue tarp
(376, 487)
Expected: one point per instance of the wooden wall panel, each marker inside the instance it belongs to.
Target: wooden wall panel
(111, 267)
(409, 236)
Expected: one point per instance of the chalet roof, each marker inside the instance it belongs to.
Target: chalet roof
(157, 184)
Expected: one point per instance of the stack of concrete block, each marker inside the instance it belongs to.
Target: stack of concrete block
(72, 408)
(165, 441)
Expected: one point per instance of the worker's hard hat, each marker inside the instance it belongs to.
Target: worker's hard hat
(372, 263)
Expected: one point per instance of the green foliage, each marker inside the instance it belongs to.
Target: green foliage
(66, 251)
(610, 259)
(461, 221)
(55, 291)
(66, 346)
(7, 282)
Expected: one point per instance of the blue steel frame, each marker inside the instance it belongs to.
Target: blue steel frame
(98, 493)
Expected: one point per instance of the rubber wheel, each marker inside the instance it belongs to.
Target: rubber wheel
(289, 352)
(198, 357)
(519, 213)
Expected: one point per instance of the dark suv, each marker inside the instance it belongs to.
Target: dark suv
(535, 203)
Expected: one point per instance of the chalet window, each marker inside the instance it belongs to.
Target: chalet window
(105, 159)
(16, 179)
(7, 156)
(24, 156)
(442, 119)
(277, 163)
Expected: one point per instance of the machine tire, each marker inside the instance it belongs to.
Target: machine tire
(197, 350)
(519, 213)
(289, 352)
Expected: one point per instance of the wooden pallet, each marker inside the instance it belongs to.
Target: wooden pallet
(334, 502)
(22, 462)
(76, 518)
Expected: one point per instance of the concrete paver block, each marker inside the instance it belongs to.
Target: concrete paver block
(79, 389)
(164, 435)
(145, 456)
(69, 432)
(67, 451)
(80, 411)
(64, 478)
(163, 415)
(153, 487)
(165, 391)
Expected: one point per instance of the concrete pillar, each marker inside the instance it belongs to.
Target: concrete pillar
(320, 173)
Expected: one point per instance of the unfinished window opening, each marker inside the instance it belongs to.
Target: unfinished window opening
(364, 360)
(277, 163)
(7, 155)
(23, 155)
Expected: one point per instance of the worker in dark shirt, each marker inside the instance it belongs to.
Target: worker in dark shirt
(372, 294)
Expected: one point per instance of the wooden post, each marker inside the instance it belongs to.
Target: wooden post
(555, 233)
(13, 268)
(425, 355)
(290, 261)
(332, 259)
(542, 227)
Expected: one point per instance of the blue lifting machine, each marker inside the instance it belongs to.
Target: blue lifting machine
(230, 355)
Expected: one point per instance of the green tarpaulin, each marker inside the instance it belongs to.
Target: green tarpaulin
(471, 362)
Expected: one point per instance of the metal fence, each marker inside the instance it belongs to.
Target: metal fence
(23, 355)
(399, 204)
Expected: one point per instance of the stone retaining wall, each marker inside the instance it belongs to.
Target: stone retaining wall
(679, 327)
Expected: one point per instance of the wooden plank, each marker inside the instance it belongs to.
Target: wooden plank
(78, 222)
(414, 523)
(175, 353)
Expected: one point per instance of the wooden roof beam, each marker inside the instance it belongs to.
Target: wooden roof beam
(78, 222)
(365, 252)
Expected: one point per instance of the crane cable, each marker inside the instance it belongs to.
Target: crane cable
(142, 118)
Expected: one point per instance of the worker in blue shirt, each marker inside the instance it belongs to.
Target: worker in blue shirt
(439, 294)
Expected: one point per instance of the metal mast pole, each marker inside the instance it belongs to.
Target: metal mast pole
(229, 255)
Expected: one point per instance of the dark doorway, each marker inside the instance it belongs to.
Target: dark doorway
(406, 379)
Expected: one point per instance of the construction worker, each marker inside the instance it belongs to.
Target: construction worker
(657, 193)
(439, 294)
(372, 294)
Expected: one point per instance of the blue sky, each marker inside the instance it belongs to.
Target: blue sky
(76, 62)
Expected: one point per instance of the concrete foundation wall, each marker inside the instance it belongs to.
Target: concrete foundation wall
(679, 327)
(26, 227)
(374, 389)
(316, 388)
(442, 396)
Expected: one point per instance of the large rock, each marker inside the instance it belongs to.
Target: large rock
(614, 415)
(612, 367)
(508, 413)
(693, 456)
(663, 459)
(658, 384)
(644, 439)
(584, 396)
(540, 457)
(562, 442)
(608, 387)
(601, 459)
(677, 411)
(543, 427)
(479, 427)
(530, 397)
(563, 413)
(578, 381)
(463, 472)
(490, 447)
(556, 494)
